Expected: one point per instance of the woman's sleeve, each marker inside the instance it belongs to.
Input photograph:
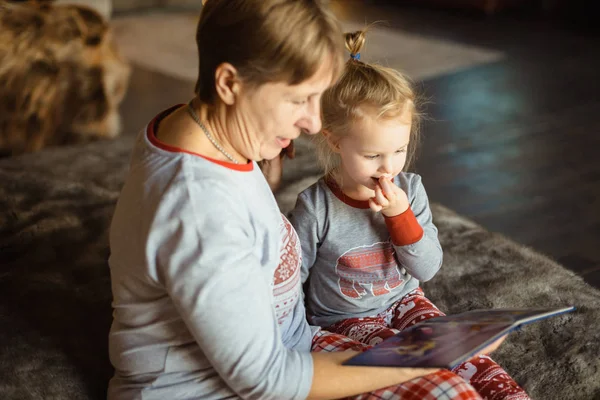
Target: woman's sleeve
(210, 268)
(414, 235)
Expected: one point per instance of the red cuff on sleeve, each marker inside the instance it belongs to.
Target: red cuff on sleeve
(404, 228)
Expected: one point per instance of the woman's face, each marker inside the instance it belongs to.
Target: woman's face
(273, 114)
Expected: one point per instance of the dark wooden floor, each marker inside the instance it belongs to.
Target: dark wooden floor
(513, 145)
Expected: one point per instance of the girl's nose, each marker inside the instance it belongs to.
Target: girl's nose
(386, 166)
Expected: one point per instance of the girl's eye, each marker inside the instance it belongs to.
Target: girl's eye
(401, 151)
(299, 102)
(371, 157)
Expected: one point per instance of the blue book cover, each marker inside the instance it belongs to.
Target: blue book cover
(445, 342)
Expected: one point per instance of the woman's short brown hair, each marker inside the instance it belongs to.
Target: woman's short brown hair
(266, 41)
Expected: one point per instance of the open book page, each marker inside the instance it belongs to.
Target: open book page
(447, 341)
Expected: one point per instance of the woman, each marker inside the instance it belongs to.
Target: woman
(204, 268)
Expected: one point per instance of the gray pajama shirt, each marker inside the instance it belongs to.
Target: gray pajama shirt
(360, 262)
(206, 283)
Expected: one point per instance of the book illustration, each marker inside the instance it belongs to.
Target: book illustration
(445, 342)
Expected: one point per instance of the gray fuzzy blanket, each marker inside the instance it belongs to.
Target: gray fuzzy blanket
(55, 208)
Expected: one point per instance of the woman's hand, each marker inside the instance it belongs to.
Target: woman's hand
(273, 169)
(389, 198)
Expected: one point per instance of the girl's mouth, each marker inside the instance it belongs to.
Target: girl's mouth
(376, 180)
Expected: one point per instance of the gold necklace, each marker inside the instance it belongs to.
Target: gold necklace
(196, 118)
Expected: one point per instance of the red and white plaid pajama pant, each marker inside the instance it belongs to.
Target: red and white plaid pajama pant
(479, 377)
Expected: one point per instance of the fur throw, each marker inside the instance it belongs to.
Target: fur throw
(61, 76)
(55, 209)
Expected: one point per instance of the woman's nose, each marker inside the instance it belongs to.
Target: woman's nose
(311, 122)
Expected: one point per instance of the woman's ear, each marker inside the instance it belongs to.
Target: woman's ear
(332, 141)
(227, 83)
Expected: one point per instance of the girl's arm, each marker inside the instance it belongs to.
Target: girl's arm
(306, 223)
(412, 230)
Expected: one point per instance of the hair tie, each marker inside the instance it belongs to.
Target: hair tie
(355, 57)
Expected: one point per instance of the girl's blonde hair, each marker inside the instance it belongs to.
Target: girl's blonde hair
(362, 88)
(266, 41)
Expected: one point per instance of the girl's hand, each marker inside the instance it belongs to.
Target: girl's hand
(389, 198)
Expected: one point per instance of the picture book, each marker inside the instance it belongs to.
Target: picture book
(445, 342)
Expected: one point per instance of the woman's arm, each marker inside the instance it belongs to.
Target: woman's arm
(210, 264)
(333, 380)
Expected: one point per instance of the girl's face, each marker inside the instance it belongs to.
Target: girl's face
(373, 148)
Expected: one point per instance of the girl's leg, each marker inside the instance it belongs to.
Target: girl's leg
(487, 377)
(368, 330)
(413, 308)
(491, 381)
(443, 385)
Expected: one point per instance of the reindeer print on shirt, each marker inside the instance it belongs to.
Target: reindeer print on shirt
(286, 280)
(368, 270)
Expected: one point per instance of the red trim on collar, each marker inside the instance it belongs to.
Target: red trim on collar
(335, 189)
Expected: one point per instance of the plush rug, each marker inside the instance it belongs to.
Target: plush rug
(55, 209)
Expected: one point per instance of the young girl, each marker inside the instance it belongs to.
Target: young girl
(365, 228)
